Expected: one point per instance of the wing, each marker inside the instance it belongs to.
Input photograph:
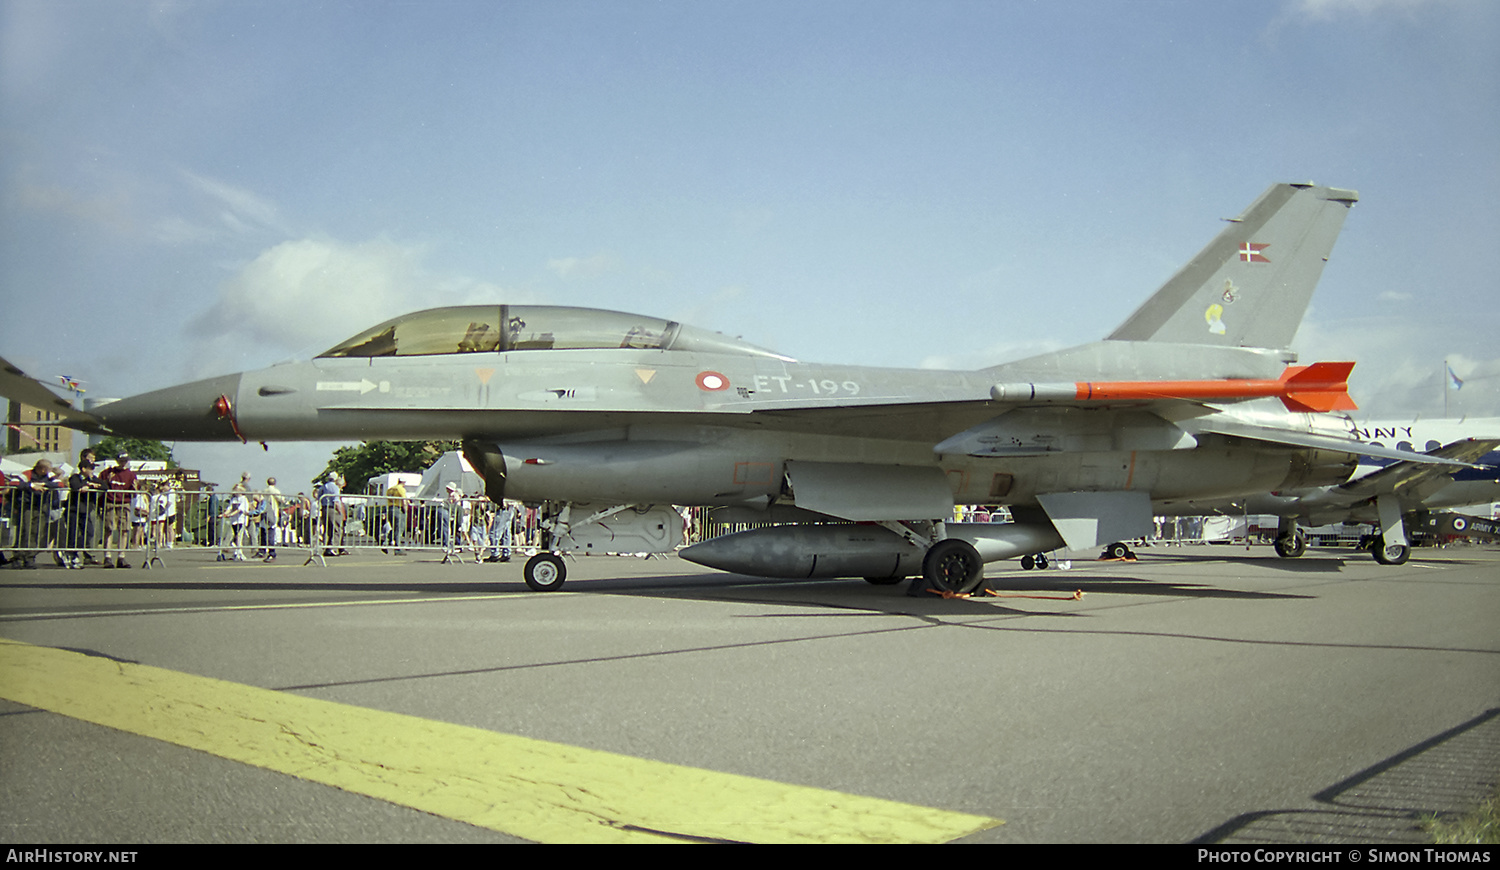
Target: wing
(21, 387)
(1224, 426)
(1414, 481)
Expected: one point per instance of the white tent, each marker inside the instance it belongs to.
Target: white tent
(450, 468)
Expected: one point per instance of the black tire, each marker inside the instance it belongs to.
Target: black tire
(545, 572)
(953, 566)
(1116, 550)
(1291, 546)
(1396, 554)
(1040, 561)
(1028, 562)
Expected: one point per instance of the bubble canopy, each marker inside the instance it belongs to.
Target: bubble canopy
(504, 328)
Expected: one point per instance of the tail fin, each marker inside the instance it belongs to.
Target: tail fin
(1251, 285)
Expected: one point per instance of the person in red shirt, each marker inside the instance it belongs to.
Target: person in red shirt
(119, 510)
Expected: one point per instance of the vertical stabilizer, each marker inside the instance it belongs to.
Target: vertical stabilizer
(1251, 285)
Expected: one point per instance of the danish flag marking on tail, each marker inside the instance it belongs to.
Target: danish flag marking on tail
(1250, 252)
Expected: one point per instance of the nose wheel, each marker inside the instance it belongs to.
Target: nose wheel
(545, 572)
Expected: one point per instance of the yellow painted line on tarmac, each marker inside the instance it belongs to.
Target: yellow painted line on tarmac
(533, 789)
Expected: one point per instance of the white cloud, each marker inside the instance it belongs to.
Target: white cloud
(238, 209)
(305, 292)
(215, 210)
(301, 297)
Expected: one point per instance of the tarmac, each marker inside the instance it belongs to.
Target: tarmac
(1209, 694)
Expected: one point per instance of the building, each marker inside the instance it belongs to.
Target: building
(35, 431)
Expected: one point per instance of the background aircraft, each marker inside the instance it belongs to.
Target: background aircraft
(1386, 492)
(612, 418)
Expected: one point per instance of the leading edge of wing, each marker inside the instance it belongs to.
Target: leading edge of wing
(1410, 471)
(1221, 426)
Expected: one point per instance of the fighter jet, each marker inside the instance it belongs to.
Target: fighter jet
(1393, 495)
(609, 419)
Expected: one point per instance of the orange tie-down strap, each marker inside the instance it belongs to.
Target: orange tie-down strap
(990, 593)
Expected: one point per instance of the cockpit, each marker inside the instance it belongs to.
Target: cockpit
(504, 328)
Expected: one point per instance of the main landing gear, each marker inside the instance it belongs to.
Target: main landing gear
(1117, 552)
(1389, 554)
(1290, 545)
(953, 566)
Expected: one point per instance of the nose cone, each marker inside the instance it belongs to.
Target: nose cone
(190, 412)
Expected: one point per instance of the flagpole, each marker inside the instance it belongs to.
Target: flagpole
(1444, 379)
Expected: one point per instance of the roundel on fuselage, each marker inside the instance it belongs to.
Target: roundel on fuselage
(712, 381)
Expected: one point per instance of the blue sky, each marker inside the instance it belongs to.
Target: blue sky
(190, 188)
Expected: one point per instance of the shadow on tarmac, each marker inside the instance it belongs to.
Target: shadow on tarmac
(1446, 775)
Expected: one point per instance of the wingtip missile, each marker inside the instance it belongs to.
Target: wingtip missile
(1321, 386)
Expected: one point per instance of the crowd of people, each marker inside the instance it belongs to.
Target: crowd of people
(72, 514)
(90, 516)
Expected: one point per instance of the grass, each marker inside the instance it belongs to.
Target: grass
(1480, 826)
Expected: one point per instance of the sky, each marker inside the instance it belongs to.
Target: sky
(195, 187)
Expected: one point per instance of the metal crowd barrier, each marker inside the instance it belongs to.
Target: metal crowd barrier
(112, 530)
(263, 525)
(133, 528)
(459, 528)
